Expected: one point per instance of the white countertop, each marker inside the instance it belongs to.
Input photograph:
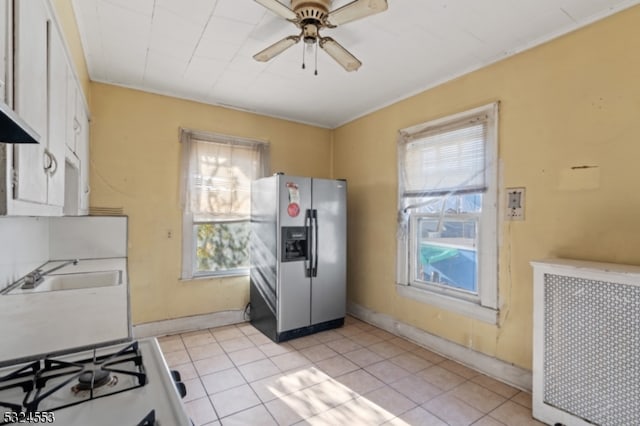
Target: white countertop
(37, 322)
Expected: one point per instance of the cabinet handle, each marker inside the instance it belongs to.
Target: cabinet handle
(76, 126)
(47, 160)
(54, 169)
(50, 163)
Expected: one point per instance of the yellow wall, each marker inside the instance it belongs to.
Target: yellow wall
(571, 102)
(67, 21)
(135, 164)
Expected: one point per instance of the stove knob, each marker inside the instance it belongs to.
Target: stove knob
(177, 379)
(182, 389)
(176, 376)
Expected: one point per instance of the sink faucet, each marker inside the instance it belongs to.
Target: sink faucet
(34, 278)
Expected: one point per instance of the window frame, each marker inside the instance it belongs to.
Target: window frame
(485, 305)
(189, 237)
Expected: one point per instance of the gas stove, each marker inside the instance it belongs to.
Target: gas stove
(124, 384)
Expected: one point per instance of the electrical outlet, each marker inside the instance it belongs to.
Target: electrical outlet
(515, 204)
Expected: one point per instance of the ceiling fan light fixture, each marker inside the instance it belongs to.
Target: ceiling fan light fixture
(310, 33)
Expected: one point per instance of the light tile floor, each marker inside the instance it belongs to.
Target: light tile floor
(354, 375)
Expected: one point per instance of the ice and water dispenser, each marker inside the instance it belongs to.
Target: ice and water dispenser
(294, 243)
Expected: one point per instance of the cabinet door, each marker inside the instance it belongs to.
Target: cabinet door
(4, 28)
(58, 69)
(73, 125)
(82, 147)
(31, 35)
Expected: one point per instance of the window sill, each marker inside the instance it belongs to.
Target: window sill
(214, 276)
(462, 307)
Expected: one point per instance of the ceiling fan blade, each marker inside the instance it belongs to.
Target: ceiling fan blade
(340, 54)
(355, 10)
(278, 8)
(276, 48)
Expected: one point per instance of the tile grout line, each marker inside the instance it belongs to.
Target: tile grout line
(215, 411)
(409, 348)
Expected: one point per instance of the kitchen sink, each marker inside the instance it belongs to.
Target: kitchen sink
(80, 280)
(75, 281)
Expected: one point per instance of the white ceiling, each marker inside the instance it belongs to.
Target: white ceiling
(202, 50)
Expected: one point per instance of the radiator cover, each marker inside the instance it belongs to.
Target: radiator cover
(586, 343)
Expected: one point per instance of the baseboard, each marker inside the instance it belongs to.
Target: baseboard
(184, 324)
(493, 367)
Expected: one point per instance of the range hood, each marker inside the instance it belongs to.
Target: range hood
(13, 129)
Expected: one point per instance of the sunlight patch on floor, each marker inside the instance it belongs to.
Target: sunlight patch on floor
(313, 395)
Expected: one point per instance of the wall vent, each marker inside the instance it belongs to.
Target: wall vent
(586, 343)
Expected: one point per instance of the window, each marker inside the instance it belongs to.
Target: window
(447, 186)
(217, 171)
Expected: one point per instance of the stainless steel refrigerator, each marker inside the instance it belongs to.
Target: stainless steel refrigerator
(298, 255)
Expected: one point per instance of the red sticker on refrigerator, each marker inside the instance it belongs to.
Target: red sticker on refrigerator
(294, 199)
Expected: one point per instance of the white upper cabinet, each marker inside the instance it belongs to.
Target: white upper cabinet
(31, 38)
(78, 141)
(58, 70)
(37, 79)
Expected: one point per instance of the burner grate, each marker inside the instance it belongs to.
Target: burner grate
(23, 378)
(149, 419)
(43, 378)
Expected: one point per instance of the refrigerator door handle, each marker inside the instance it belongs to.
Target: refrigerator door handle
(307, 227)
(314, 271)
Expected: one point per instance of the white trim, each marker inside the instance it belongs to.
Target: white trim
(187, 134)
(488, 221)
(184, 324)
(453, 304)
(490, 108)
(187, 246)
(500, 370)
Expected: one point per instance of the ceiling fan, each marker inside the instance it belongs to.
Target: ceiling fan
(311, 16)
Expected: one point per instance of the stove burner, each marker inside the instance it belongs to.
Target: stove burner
(94, 379)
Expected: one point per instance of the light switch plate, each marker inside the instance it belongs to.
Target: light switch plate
(515, 204)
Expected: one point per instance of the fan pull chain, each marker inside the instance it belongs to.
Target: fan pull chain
(316, 70)
(303, 52)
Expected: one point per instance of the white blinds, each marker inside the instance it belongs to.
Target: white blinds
(219, 171)
(446, 159)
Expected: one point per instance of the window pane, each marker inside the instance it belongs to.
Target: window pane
(446, 252)
(221, 246)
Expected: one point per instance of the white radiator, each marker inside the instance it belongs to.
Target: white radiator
(586, 348)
